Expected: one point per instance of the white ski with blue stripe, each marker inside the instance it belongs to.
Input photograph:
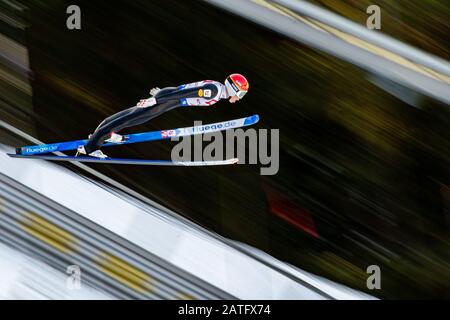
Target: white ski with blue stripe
(142, 137)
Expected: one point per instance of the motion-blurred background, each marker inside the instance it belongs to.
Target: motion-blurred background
(364, 173)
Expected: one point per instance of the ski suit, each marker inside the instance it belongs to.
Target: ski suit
(202, 93)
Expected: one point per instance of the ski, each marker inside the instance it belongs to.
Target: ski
(143, 137)
(127, 161)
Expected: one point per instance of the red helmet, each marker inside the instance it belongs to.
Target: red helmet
(237, 84)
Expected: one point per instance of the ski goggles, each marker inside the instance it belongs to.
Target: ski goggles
(234, 88)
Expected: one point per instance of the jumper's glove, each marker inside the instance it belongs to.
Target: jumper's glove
(154, 91)
(144, 103)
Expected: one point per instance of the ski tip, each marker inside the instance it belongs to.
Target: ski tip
(234, 160)
(251, 120)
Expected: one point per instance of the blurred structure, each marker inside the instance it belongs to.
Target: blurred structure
(127, 249)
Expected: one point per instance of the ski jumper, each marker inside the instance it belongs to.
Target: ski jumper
(202, 93)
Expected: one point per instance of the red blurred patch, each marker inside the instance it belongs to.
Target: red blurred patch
(288, 210)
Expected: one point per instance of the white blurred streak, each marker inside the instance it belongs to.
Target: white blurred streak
(15, 5)
(347, 51)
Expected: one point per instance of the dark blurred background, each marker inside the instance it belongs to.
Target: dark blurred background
(363, 179)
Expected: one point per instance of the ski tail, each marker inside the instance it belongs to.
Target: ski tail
(143, 137)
